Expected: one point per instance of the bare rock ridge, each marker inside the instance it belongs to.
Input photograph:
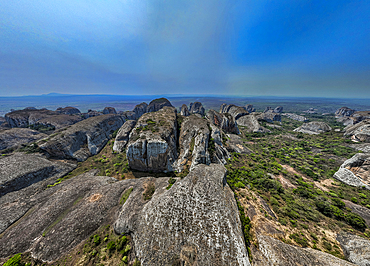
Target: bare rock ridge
(250, 122)
(296, 117)
(224, 121)
(313, 128)
(194, 137)
(83, 139)
(360, 131)
(184, 111)
(269, 116)
(69, 110)
(180, 218)
(122, 136)
(14, 137)
(109, 110)
(344, 111)
(235, 111)
(140, 109)
(158, 104)
(356, 249)
(152, 145)
(355, 171)
(249, 108)
(196, 108)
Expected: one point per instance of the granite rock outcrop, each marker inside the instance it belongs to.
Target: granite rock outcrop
(313, 128)
(122, 136)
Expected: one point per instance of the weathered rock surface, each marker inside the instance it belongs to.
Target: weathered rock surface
(152, 145)
(129, 115)
(311, 111)
(193, 142)
(20, 170)
(296, 117)
(355, 171)
(249, 108)
(269, 117)
(84, 138)
(109, 110)
(360, 116)
(14, 137)
(123, 135)
(197, 218)
(344, 111)
(278, 109)
(158, 104)
(355, 248)
(196, 108)
(69, 110)
(91, 113)
(140, 109)
(360, 131)
(251, 124)
(273, 252)
(313, 128)
(235, 111)
(184, 111)
(59, 121)
(224, 121)
(235, 144)
(268, 109)
(220, 154)
(66, 214)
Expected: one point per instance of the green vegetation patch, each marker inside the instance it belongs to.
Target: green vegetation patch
(125, 196)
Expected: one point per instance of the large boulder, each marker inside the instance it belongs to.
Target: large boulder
(355, 248)
(122, 136)
(224, 121)
(250, 122)
(249, 108)
(20, 170)
(355, 171)
(296, 117)
(269, 117)
(196, 108)
(344, 111)
(69, 110)
(196, 222)
(152, 145)
(140, 109)
(109, 110)
(84, 138)
(158, 104)
(14, 137)
(184, 111)
(26, 117)
(313, 128)
(235, 111)
(193, 142)
(273, 252)
(360, 131)
(278, 109)
(360, 116)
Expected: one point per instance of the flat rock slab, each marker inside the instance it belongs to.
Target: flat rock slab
(17, 136)
(355, 248)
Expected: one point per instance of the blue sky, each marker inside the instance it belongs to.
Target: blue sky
(235, 47)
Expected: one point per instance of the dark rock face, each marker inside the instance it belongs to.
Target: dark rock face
(269, 117)
(360, 131)
(66, 214)
(109, 110)
(22, 170)
(68, 110)
(224, 121)
(344, 111)
(140, 109)
(158, 104)
(173, 218)
(84, 138)
(196, 108)
(193, 141)
(184, 111)
(355, 248)
(251, 124)
(278, 109)
(14, 137)
(272, 252)
(123, 135)
(355, 171)
(152, 145)
(249, 108)
(235, 111)
(313, 128)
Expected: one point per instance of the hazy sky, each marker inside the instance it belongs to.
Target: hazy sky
(236, 47)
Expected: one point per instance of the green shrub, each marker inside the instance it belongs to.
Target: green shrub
(97, 240)
(354, 200)
(121, 243)
(299, 240)
(355, 220)
(14, 261)
(338, 203)
(111, 245)
(125, 196)
(239, 185)
(137, 262)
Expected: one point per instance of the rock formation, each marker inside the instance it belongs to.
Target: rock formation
(249, 108)
(194, 137)
(140, 109)
(235, 144)
(109, 110)
(122, 136)
(268, 109)
(184, 111)
(355, 171)
(360, 131)
(84, 138)
(14, 137)
(278, 109)
(158, 104)
(219, 155)
(235, 111)
(224, 121)
(152, 145)
(68, 110)
(344, 111)
(355, 248)
(313, 128)
(269, 117)
(91, 113)
(360, 210)
(251, 124)
(296, 117)
(198, 218)
(196, 108)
